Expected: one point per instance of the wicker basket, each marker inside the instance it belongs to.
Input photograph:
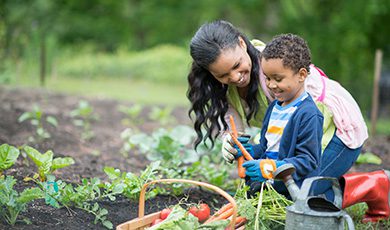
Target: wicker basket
(144, 221)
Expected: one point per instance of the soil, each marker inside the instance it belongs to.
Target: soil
(93, 155)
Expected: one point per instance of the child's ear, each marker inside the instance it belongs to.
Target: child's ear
(302, 74)
(242, 42)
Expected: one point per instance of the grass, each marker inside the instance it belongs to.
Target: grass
(154, 76)
(138, 91)
(357, 211)
(382, 126)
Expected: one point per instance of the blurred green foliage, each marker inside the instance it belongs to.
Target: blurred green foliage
(164, 63)
(342, 35)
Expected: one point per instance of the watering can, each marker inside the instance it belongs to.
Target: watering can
(308, 212)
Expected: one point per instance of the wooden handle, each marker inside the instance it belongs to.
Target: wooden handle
(141, 208)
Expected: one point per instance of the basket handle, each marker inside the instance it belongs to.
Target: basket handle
(141, 207)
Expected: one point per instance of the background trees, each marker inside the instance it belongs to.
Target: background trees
(343, 35)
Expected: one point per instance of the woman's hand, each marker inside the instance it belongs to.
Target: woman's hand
(230, 150)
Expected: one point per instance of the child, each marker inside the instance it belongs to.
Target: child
(292, 131)
(292, 126)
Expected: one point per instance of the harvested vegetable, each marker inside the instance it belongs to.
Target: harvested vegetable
(241, 159)
(156, 221)
(165, 213)
(224, 208)
(271, 208)
(178, 219)
(201, 211)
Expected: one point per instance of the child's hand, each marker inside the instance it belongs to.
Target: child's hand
(248, 147)
(261, 170)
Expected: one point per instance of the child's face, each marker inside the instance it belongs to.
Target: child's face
(283, 82)
(233, 66)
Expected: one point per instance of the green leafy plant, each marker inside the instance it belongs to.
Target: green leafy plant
(368, 158)
(36, 118)
(83, 196)
(99, 213)
(130, 183)
(162, 115)
(83, 117)
(8, 156)
(11, 202)
(178, 158)
(133, 118)
(132, 140)
(45, 162)
(216, 174)
(166, 145)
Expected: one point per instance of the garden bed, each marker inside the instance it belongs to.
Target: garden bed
(91, 156)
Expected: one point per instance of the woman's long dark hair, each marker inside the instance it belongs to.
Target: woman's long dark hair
(207, 95)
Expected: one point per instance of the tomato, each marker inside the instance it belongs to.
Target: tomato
(156, 221)
(201, 211)
(165, 213)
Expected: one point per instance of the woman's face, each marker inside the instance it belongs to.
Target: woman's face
(233, 66)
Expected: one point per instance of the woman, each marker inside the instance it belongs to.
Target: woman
(226, 79)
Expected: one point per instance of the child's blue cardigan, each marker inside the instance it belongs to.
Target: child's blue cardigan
(301, 140)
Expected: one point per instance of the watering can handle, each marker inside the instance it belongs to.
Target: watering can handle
(349, 221)
(307, 183)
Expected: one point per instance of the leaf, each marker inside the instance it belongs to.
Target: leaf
(24, 116)
(61, 162)
(183, 134)
(8, 156)
(52, 120)
(108, 224)
(30, 194)
(178, 219)
(369, 158)
(214, 225)
(95, 207)
(118, 188)
(38, 112)
(37, 157)
(190, 156)
(143, 141)
(78, 122)
(40, 131)
(112, 173)
(103, 212)
(111, 197)
(34, 122)
(43, 161)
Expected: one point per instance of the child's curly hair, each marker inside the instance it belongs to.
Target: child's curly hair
(291, 48)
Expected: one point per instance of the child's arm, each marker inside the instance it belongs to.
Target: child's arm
(259, 149)
(308, 145)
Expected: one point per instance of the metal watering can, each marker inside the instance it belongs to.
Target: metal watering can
(308, 213)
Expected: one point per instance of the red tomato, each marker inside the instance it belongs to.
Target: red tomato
(202, 212)
(156, 221)
(165, 213)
